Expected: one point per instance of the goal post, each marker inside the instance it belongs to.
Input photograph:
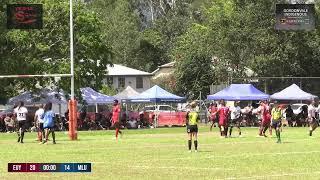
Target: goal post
(37, 17)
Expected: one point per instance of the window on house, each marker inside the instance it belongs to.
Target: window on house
(109, 81)
(121, 82)
(139, 82)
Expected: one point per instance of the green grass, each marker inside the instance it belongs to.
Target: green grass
(162, 154)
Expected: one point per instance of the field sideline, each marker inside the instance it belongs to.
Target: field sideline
(162, 154)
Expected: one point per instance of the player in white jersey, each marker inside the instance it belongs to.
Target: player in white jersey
(313, 123)
(38, 118)
(21, 116)
(235, 118)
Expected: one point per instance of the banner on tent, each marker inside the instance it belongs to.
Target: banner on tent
(171, 118)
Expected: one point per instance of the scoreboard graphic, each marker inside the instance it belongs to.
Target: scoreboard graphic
(24, 16)
(49, 167)
(295, 17)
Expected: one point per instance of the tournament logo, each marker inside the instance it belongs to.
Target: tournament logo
(24, 16)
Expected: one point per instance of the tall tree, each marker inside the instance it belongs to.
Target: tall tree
(47, 50)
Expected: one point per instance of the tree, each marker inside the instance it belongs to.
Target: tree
(194, 70)
(47, 50)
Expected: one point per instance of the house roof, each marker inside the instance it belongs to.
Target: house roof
(168, 65)
(119, 70)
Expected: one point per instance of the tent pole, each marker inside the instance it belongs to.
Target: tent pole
(96, 107)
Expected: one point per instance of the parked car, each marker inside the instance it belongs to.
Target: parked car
(297, 108)
(159, 108)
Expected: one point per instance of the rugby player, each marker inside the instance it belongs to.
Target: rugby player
(116, 117)
(223, 113)
(21, 116)
(276, 115)
(235, 112)
(38, 119)
(213, 114)
(192, 119)
(264, 110)
(48, 123)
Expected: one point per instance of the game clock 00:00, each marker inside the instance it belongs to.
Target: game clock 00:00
(49, 167)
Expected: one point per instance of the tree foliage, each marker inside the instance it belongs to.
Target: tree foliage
(47, 50)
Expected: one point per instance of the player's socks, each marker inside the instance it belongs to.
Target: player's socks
(54, 137)
(195, 145)
(117, 132)
(22, 136)
(310, 133)
(18, 139)
(189, 144)
(239, 132)
(230, 131)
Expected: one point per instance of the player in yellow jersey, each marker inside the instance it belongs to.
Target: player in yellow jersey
(276, 115)
(192, 126)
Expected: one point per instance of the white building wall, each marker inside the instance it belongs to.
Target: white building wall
(131, 81)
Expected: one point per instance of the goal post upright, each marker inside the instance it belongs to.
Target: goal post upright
(72, 103)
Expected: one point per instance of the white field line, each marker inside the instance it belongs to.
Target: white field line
(225, 156)
(233, 155)
(180, 167)
(275, 175)
(155, 145)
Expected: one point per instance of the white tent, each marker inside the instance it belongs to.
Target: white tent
(126, 93)
(292, 92)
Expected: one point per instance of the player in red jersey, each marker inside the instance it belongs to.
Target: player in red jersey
(223, 113)
(213, 114)
(116, 117)
(264, 110)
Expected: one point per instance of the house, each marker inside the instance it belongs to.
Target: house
(119, 77)
(164, 71)
(167, 70)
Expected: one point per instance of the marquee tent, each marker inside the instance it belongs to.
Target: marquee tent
(237, 92)
(126, 93)
(156, 94)
(93, 97)
(292, 92)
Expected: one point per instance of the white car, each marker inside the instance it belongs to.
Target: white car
(297, 108)
(159, 108)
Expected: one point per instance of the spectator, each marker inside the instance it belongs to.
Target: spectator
(9, 122)
(132, 124)
(289, 116)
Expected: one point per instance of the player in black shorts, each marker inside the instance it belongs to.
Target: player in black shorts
(21, 116)
(192, 127)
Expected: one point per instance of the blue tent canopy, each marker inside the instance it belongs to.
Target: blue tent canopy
(41, 97)
(93, 97)
(292, 92)
(238, 92)
(156, 94)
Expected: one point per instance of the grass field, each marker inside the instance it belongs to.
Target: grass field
(162, 154)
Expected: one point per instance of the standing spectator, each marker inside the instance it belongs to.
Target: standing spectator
(9, 123)
(247, 115)
(313, 124)
(289, 116)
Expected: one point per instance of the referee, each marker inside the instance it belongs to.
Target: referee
(192, 126)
